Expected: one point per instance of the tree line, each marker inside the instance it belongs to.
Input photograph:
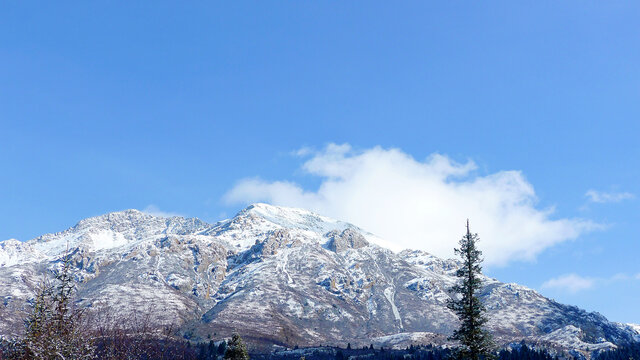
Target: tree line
(56, 328)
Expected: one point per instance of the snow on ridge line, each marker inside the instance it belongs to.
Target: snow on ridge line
(120, 228)
(11, 241)
(636, 328)
(296, 218)
(290, 217)
(14, 252)
(115, 229)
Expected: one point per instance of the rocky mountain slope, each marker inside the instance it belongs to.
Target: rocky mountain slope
(279, 276)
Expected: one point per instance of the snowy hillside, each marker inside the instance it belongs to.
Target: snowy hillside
(282, 276)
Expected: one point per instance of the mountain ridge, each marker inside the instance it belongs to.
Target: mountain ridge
(307, 278)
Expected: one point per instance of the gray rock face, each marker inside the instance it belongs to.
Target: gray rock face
(347, 239)
(278, 276)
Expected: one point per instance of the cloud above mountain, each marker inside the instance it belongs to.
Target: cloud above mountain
(572, 283)
(421, 204)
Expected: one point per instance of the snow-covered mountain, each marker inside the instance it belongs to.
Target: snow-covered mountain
(279, 276)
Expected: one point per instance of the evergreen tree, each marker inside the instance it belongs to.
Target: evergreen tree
(222, 348)
(54, 328)
(236, 349)
(475, 341)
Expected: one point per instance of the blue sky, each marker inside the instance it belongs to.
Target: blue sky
(107, 106)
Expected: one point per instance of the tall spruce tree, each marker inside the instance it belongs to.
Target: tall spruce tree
(475, 341)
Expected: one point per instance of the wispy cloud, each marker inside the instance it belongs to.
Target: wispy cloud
(421, 204)
(303, 151)
(608, 197)
(620, 277)
(154, 210)
(572, 283)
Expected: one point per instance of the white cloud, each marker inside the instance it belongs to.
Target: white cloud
(155, 211)
(620, 277)
(571, 282)
(303, 151)
(421, 204)
(604, 197)
(574, 283)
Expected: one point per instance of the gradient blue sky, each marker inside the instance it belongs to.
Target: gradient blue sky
(106, 106)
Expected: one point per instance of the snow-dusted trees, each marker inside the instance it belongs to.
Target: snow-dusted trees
(55, 327)
(236, 349)
(475, 341)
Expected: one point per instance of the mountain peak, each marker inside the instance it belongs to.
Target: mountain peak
(309, 270)
(9, 242)
(291, 217)
(306, 220)
(264, 209)
(115, 229)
